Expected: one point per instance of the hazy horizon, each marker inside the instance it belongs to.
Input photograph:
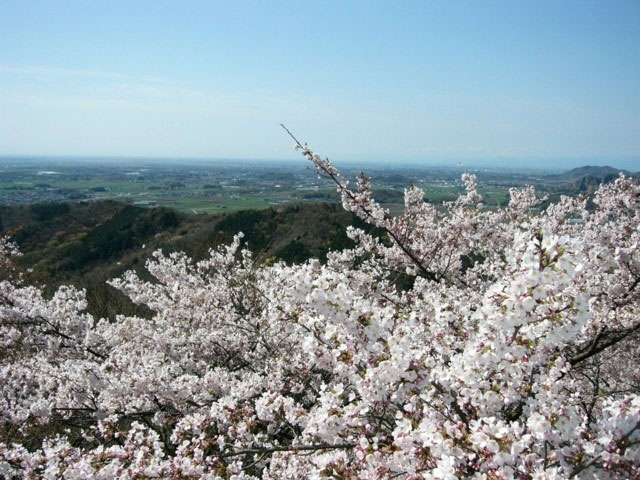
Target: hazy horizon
(524, 84)
(549, 164)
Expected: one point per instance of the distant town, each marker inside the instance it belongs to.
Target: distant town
(217, 186)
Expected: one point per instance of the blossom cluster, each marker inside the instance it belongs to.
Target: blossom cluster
(507, 351)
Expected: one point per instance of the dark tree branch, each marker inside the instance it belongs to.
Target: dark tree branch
(593, 461)
(602, 341)
(301, 448)
(423, 270)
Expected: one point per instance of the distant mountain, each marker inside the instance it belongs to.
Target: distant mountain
(587, 179)
(603, 173)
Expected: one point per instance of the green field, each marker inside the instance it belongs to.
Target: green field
(192, 197)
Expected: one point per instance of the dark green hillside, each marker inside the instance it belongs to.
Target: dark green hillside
(294, 233)
(62, 240)
(88, 243)
(128, 228)
(39, 225)
(591, 171)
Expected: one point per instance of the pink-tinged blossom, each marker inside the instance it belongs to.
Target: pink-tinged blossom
(512, 355)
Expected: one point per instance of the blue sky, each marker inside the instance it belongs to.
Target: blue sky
(535, 81)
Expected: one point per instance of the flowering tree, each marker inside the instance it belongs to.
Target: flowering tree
(511, 355)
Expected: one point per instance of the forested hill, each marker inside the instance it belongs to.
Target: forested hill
(605, 173)
(86, 244)
(587, 179)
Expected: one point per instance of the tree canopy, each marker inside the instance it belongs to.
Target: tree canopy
(511, 354)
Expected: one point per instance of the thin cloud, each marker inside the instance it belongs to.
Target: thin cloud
(64, 72)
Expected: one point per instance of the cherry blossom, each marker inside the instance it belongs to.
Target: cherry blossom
(510, 354)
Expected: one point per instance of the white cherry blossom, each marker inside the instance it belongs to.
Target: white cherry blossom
(511, 354)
